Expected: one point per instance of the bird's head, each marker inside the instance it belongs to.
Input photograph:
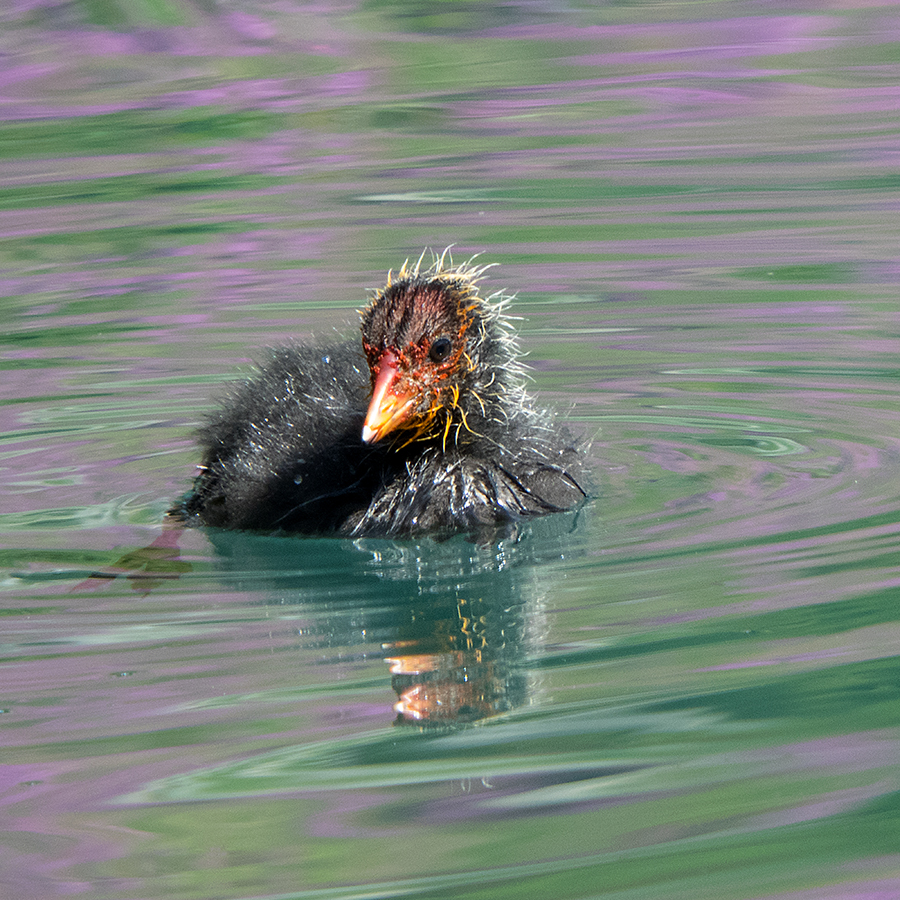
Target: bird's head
(435, 352)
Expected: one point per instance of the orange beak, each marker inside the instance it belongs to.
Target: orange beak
(388, 407)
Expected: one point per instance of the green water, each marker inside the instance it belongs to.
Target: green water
(688, 689)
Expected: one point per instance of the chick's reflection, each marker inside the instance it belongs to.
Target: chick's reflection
(455, 663)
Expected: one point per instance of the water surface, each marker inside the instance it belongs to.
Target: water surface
(689, 688)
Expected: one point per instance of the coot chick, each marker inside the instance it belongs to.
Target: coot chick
(424, 428)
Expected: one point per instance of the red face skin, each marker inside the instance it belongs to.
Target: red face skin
(414, 359)
(404, 395)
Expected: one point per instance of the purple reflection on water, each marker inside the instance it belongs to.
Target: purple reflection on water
(249, 26)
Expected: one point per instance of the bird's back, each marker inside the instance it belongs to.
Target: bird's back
(283, 450)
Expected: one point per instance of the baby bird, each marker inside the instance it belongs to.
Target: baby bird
(423, 428)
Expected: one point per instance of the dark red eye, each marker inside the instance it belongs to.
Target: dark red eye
(440, 349)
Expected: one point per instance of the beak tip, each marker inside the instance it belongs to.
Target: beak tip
(390, 403)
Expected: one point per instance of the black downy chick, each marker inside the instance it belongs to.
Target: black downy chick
(424, 428)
